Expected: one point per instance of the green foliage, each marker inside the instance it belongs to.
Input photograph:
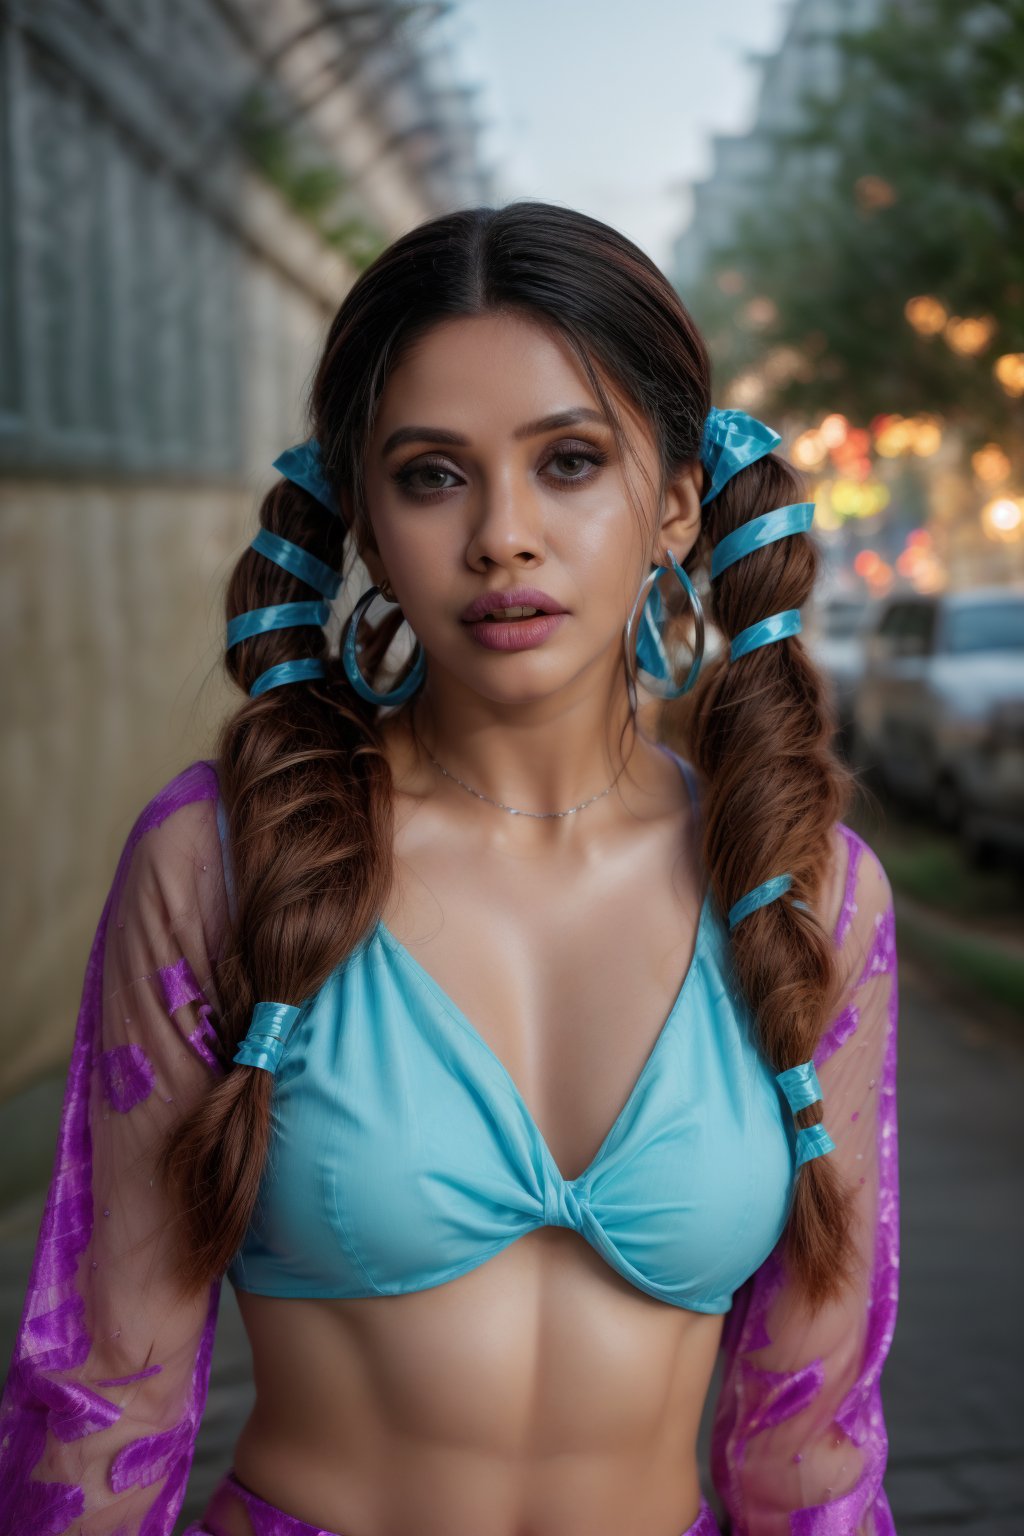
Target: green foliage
(312, 187)
(931, 109)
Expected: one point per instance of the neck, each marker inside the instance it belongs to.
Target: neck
(542, 756)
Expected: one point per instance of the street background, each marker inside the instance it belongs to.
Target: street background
(836, 188)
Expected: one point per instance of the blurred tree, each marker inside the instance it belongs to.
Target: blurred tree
(314, 185)
(909, 182)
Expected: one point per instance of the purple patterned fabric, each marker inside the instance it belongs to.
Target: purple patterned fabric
(799, 1443)
(77, 1436)
(110, 1369)
(127, 1076)
(231, 1500)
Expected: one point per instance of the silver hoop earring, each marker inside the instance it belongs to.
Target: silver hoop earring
(649, 655)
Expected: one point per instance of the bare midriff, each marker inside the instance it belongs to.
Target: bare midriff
(539, 1392)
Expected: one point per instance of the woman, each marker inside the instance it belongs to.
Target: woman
(474, 1033)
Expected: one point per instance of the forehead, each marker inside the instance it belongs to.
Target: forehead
(490, 373)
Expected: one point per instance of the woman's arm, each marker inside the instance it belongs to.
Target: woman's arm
(109, 1373)
(799, 1442)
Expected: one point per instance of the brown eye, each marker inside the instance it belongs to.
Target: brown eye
(406, 479)
(578, 456)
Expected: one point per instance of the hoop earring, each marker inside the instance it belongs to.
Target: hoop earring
(349, 649)
(650, 654)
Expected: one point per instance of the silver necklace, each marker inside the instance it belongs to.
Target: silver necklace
(513, 810)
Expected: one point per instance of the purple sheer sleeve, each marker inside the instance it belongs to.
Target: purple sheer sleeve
(799, 1444)
(110, 1368)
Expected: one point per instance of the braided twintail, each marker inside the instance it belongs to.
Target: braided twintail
(760, 731)
(299, 762)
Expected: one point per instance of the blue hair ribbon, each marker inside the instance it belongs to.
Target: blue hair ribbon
(800, 1085)
(259, 621)
(298, 562)
(730, 441)
(796, 517)
(316, 574)
(760, 896)
(301, 464)
(812, 1141)
(298, 671)
(776, 626)
(265, 1039)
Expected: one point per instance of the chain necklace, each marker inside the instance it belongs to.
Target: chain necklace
(513, 810)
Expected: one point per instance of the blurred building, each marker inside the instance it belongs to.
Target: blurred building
(747, 169)
(186, 193)
(910, 511)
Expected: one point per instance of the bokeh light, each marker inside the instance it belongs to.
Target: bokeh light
(833, 430)
(990, 464)
(1002, 517)
(1009, 370)
(874, 571)
(969, 335)
(921, 435)
(926, 435)
(859, 498)
(918, 562)
(927, 314)
(746, 392)
(873, 192)
(809, 451)
(760, 312)
(731, 281)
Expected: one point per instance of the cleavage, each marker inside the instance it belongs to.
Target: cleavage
(570, 1000)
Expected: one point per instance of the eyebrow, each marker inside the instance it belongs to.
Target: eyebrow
(550, 423)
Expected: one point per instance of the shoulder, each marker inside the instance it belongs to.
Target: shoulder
(864, 1011)
(867, 891)
(855, 883)
(170, 870)
(194, 786)
(864, 933)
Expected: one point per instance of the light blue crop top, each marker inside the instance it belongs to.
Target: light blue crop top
(402, 1153)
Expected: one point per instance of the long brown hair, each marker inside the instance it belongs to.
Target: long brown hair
(302, 767)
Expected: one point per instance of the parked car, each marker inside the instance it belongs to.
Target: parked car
(837, 630)
(939, 710)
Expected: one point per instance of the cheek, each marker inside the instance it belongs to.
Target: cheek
(422, 571)
(406, 543)
(607, 564)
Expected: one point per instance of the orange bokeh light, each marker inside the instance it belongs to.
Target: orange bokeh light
(833, 430)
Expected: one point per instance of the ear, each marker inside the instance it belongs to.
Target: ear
(371, 559)
(681, 515)
(366, 549)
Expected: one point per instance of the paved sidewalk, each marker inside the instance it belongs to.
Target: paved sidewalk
(954, 1384)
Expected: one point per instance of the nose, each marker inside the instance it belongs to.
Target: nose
(508, 523)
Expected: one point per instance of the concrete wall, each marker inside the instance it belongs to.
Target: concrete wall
(161, 312)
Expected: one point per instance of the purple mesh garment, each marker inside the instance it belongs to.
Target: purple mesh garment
(799, 1442)
(109, 1372)
(110, 1369)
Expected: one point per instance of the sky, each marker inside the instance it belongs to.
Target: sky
(610, 107)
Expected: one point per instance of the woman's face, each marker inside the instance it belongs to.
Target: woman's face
(469, 493)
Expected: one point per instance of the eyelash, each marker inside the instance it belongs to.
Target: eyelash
(404, 477)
